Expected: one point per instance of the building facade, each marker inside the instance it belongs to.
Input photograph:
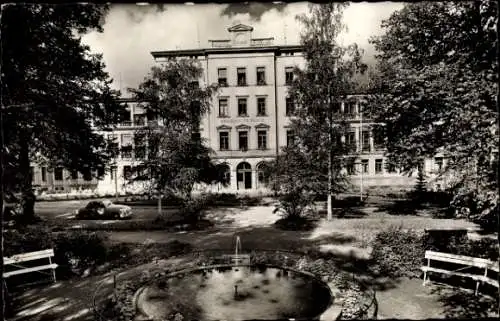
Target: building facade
(248, 123)
(130, 150)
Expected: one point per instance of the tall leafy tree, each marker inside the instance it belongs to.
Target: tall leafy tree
(318, 90)
(55, 92)
(177, 157)
(437, 92)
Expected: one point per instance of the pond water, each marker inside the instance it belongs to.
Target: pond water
(237, 293)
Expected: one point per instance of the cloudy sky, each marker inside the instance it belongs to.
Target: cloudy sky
(131, 32)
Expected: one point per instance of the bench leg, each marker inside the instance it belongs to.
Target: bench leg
(425, 278)
(5, 286)
(54, 275)
(477, 288)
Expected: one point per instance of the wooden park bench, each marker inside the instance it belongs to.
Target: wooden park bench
(17, 264)
(466, 262)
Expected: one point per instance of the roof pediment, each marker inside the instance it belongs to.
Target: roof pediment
(240, 27)
(242, 126)
(262, 125)
(223, 127)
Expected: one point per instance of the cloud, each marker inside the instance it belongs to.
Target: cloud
(131, 32)
(137, 13)
(254, 9)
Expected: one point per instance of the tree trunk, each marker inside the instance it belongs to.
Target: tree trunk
(329, 214)
(27, 194)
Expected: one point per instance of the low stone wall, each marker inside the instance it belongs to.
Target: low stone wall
(353, 299)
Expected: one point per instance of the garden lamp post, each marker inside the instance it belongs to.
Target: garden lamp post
(361, 147)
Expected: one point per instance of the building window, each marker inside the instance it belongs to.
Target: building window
(336, 107)
(223, 107)
(243, 140)
(113, 173)
(194, 84)
(44, 174)
(290, 106)
(58, 174)
(153, 147)
(378, 166)
(378, 140)
(350, 107)
(438, 161)
(365, 138)
(87, 174)
(139, 147)
(390, 167)
(127, 172)
(224, 173)
(364, 166)
(290, 138)
(74, 174)
(113, 145)
(261, 76)
(262, 175)
(127, 145)
(288, 75)
(222, 77)
(242, 76)
(140, 120)
(261, 106)
(350, 139)
(127, 151)
(242, 107)
(262, 139)
(350, 168)
(224, 140)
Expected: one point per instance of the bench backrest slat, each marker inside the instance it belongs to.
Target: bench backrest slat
(458, 259)
(24, 257)
(494, 266)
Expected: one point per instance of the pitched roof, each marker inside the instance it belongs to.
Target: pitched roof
(240, 27)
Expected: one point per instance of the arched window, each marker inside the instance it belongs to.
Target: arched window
(224, 173)
(262, 175)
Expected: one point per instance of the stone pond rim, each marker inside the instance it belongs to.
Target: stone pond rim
(326, 307)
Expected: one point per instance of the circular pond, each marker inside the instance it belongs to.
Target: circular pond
(235, 293)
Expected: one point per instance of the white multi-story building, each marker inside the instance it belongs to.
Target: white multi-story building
(249, 119)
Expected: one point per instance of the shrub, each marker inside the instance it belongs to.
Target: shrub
(483, 248)
(27, 239)
(448, 241)
(193, 209)
(398, 253)
(294, 204)
(460, 244)
(74, 251)
(77, 251)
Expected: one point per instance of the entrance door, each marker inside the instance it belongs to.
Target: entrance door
(248, 180)
(244, 175)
